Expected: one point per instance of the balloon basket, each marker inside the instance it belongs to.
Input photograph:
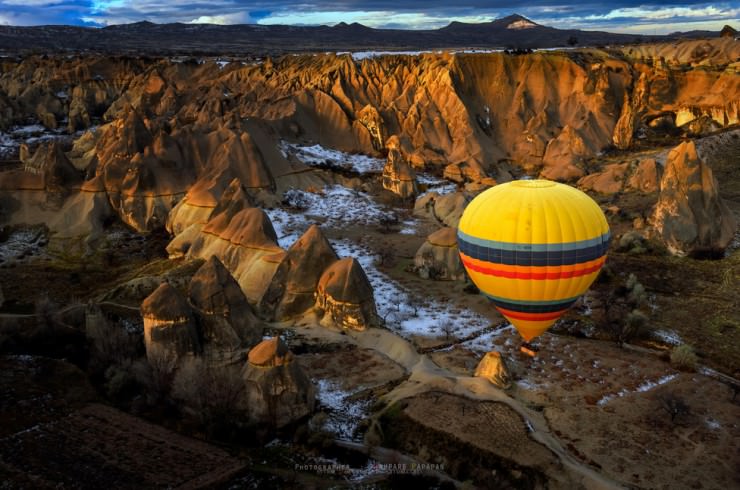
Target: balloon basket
(529, 350)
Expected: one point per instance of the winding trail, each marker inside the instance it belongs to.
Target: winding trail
(427, 376)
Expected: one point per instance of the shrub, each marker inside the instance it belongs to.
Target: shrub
(684, 358)
(636, 326)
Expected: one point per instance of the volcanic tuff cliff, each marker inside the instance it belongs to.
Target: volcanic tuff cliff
(171, 129)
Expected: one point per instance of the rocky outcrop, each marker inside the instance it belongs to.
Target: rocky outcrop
(633, 108)
(493, 368)
(52, 166)
(214, 322)
(645, 177)
(439, 257)
(293, 287)
(398, 176)
(170, 330)
(226, 323)
(246, 243)
(187, 218)
(345, 296)
(564, 154)
(728, 31)
(278, 391)
(172, 132)
(446, 209)
(690, 216)
(609, 181)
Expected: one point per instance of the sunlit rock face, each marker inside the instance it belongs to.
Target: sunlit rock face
(398, 176)
(493, 368)
(278, 391)
(246, 244)
(170, 330)
(345, 296)
(226, 322)
(646, 176)
(633, 108)
(690, 217)
(172, 136)
(189, 216)
(439, 257)
(293, 287)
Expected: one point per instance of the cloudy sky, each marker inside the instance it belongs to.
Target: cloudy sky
(642, 16)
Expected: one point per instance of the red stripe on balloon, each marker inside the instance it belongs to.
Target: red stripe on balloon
(535, 317)
(530, 274)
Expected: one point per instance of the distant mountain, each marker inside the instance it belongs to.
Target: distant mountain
(513, 32)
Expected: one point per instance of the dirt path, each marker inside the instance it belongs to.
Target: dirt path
(427, 376)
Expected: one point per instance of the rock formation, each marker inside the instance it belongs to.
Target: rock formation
(227, 324)
(52, 166)
(278, 391)
(170, 331)
(345, 295)
(292, 289)
(690, 216)
(493, 368)
(246, 243)
(398, 176)
(728, 31)
(564, 154)
(160, 144)
(633, 108)
(609, 181)
(645, 177)
(438, 257)
(445, 209)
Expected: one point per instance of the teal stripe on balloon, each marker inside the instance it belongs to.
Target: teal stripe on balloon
(527, 302)
(535, 247)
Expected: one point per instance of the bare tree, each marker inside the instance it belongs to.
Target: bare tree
(157, 374)
(213, 393)
(448, 329)
(386, 256)
(673, 405)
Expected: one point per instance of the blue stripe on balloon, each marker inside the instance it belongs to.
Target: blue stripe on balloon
(532, 258)
(532, 306)
(534, 247)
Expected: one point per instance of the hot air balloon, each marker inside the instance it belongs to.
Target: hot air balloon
(533, 247)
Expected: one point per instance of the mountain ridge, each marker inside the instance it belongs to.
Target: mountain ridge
(514, 32)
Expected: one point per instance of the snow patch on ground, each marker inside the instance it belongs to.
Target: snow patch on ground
(529, 385)
(405, 313)
(318, 155)
(713, 424)
(646, 386)
(668, 336)
(337, 207)
(649, 385)
(28, 130)
(485, 342)
(31, 134)
(344, 414)
(21, 244)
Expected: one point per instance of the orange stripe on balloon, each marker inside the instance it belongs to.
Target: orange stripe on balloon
(532, 272)
(536, 317)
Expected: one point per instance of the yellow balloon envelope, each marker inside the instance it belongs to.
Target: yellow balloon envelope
(533, 247)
